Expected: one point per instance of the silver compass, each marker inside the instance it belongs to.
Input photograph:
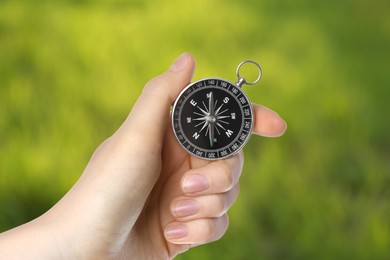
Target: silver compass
(212, 118)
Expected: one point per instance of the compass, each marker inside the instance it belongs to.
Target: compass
(212, 118)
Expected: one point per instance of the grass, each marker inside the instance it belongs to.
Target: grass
(71, 70)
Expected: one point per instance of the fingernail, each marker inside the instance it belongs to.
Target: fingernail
(176, 231)
(185, 208)
(195, 183)
(180, 63)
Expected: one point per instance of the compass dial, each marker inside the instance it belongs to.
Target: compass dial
(212, 118)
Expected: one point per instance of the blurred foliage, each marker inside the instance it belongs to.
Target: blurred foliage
(71, 70)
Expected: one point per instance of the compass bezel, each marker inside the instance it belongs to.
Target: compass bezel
(240, 99)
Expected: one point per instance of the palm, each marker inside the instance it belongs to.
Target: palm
(156, 215)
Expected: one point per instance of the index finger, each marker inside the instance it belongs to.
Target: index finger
(216, 177)
(268, 123)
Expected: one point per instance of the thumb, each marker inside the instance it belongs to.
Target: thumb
(150, 113)
(124, 168)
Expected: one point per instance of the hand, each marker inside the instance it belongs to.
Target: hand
(141, 195)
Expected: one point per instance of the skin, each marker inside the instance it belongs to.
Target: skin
(141, 195)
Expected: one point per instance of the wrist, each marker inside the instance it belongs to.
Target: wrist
(34, 240)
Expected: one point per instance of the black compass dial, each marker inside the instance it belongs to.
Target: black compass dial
(212, 118)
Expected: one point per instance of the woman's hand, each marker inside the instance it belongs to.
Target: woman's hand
(141, 195)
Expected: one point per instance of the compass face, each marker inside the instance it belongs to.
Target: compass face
(212, 118)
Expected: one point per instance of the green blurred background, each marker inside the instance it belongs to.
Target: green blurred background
(71, 70)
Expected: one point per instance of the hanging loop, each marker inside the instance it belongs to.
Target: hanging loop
(241, 80)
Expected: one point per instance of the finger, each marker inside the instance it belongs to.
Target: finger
(149, 115)
(216, 177)
(198, 231)
(206, 206)
(267, 122)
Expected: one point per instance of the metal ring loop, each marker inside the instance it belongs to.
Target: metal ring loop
(256, 64)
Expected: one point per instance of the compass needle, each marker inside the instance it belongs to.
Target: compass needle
(211, 104)
(211, 127)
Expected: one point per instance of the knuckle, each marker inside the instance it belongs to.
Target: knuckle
(221, 205)
(208, 229)
(236, 162)
(228, 178)
(222, 223)
(230, 171)
(214, 228)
